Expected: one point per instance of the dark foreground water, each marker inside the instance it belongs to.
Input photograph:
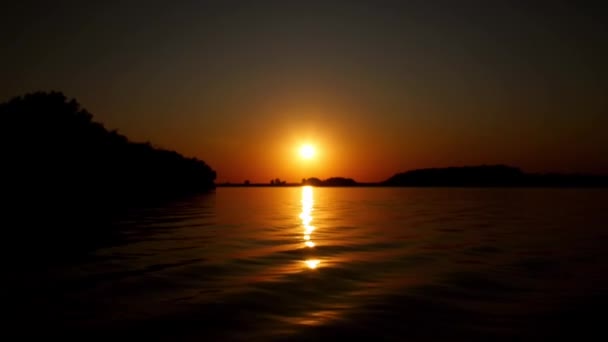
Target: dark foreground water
(327, 263)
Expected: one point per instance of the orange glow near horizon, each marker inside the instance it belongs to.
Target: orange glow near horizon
(369, 152)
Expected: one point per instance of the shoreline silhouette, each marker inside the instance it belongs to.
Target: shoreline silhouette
(65, 176)
(52, 144)
(462, 176)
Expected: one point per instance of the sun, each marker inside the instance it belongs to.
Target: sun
(307, 151)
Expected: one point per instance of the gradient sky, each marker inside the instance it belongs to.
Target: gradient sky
(378, 86)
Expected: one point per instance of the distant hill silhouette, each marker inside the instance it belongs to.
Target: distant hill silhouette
(489, 175)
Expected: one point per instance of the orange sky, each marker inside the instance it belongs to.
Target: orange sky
(379, 87)
(355, 139)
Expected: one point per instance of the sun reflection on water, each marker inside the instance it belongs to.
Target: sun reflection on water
(306, 217)
(312, 263)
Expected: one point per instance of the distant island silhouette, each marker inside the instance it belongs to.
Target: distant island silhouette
(491, 176)
(333, 181)
(464, 176)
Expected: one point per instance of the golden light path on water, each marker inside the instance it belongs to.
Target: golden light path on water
(306, 217)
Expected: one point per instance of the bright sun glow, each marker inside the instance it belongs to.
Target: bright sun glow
(307, 151)
(312, 264)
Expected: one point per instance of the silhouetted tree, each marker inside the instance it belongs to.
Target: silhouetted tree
(277, 181)
(50, 143)
(64, 174)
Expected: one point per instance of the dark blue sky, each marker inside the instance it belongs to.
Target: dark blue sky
(378, 86)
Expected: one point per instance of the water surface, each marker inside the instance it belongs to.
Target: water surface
(303, 263)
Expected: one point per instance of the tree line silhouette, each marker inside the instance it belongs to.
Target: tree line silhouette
(64, 175)
(50, 143)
